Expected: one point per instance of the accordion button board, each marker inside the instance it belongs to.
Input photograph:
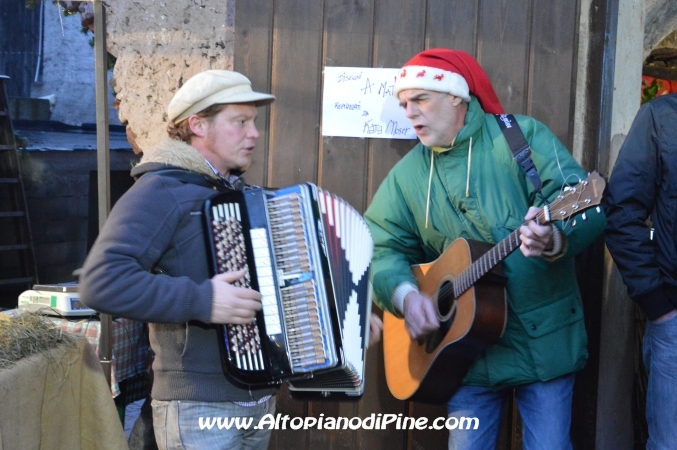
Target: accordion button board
(308, 253)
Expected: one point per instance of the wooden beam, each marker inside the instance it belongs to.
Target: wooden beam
(103, 160)
(664, 73)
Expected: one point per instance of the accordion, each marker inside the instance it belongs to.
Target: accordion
(308, 253)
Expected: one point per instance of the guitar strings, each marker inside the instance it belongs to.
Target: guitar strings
(484, 263)
(566, 185)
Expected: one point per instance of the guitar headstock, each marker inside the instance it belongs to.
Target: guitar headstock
(574, 199)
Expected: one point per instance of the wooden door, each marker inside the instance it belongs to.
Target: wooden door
(528, 48)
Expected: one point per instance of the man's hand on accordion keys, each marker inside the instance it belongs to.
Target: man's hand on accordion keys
(232, 304)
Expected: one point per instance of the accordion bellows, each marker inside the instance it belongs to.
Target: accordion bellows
(308, 253)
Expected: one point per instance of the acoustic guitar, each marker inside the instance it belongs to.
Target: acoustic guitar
(468, 290)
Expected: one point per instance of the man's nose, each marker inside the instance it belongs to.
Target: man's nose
(410, 110)
(253, 132)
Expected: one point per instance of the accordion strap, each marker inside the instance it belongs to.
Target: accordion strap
(519, 146)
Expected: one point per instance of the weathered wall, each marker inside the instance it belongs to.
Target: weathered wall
(159, 45)
(670, 40)
(661, 20)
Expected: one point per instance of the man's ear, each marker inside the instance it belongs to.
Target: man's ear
(456, 100)
(197, 125)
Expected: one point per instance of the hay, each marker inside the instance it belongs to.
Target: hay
(29, 333)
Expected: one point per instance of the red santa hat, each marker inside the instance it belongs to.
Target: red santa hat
(452, 71)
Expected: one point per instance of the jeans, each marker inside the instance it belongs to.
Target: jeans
(545, 408)
(177, 425)
(660, 359)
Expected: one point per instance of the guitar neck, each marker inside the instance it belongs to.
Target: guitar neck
(486, 262)
(571, 200)
(500, 251)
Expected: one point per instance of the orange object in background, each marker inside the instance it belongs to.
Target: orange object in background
(665, 86)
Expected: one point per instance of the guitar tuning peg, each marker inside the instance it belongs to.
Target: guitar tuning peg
(599, 210)
(573, 223)
(584, 217)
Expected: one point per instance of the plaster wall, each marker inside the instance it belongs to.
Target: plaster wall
(158, 46)
(661, 21)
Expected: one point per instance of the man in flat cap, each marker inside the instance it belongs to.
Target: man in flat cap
(150, 263)
(461, 181)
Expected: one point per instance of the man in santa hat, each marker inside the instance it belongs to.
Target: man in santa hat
(461, 181)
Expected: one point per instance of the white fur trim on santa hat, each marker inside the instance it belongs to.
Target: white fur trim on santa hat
(432, 79)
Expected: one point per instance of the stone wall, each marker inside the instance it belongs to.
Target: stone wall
(670, 40)
(158, 46)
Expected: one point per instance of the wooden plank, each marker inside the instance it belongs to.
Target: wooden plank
(552, 74)
(294, 130)
(297, 46)
(343, 165)
(343, 170)
(430, 438)
(588, 397)
(287, 438)
(599, 86)
(378, 400)
(452, 24)
(502, 50)
(253, 41)
(395, 42)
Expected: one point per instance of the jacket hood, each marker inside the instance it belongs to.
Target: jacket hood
(176, 154)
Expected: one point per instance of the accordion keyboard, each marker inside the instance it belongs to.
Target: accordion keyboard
(245, 341)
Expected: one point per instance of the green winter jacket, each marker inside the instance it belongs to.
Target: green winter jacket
(485, 197)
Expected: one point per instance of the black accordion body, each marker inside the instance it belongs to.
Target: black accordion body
(308, 253)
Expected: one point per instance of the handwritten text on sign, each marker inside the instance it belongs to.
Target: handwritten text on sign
(359, 102)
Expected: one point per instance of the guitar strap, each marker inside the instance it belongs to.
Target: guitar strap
(519, 146)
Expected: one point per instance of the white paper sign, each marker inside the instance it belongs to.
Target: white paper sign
(359, 102)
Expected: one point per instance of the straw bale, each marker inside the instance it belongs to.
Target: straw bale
(29, 333)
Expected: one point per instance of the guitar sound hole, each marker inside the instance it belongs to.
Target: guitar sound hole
(446, 303)
(433, 340)
(446, 311)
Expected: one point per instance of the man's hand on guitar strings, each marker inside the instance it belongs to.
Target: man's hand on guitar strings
(420, 317)
(535, 238)
(232, 304)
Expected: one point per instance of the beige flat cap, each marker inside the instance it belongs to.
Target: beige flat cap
(211, 87)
